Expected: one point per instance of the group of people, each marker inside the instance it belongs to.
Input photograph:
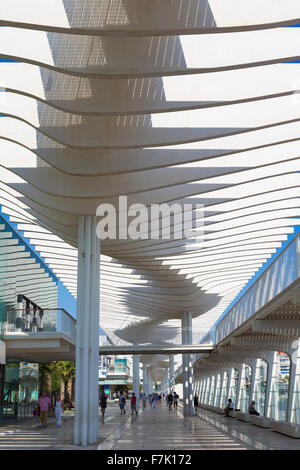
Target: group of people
(44, 405)
(172, 399)
(153, 398)
(230, 407)
(122, 403)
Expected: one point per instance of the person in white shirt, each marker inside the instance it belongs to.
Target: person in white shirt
(144, 400)
(58, 410)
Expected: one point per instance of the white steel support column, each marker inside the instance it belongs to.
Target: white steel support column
(203, 391)
(190, 364)
(164, 382)
(293, 411)
(166, 378)
(136, 378)
(241, 380)
(255, 378)
(87, 333)
(221, 391)
(206, 391)
(206, 385)
(145, 379)
(150, 382)
(187, 366)
(231, 386)
(171, 367)
(185, 387)
(214, 391)
(271, 379)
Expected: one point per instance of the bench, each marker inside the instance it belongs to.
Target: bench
(206, 406)
(214, 409)
(232, 414)
(284, 427)
(219, 410)
(261, 421)
(243, 416)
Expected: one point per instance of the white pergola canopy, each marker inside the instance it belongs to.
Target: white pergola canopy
(163, 102)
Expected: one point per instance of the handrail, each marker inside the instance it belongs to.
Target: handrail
(222, 319)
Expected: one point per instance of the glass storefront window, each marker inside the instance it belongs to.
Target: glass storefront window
(10, 390)
(20, 390)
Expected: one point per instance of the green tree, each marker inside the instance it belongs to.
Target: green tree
(45, 374)
(58, 377)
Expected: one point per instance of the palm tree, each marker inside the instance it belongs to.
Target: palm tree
(45, 372)
(67, 374)
(58, 376)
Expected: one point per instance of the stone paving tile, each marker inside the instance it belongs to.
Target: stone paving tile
(252, 436)
(168, 430)
(157, 429)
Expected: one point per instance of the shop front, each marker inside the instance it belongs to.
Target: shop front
(19, 383)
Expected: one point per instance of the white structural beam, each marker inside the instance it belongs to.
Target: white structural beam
(165, 102)
(165, 348)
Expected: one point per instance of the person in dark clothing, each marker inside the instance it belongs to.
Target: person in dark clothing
(170, 400)
(196, 403)
(252, 410)
(229, 407)
(103, 404)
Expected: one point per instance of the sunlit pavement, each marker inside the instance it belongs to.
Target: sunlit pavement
(252, 436)
(154, 429)
(161, 429)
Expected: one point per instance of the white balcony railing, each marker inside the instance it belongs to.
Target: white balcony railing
(40, 320)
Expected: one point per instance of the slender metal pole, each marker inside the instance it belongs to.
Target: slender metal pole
(145, 377)
(136, 378)
(185, 387)
(189, 337)
(87, 333)
(80, 290)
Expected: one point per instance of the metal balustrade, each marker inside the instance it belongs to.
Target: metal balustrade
(39, 320)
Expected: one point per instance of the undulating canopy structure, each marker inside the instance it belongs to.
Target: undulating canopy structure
(165, 102)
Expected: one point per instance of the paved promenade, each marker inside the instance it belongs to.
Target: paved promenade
(154, 429)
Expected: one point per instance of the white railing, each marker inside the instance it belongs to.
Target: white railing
(281, 273)
(40, 320)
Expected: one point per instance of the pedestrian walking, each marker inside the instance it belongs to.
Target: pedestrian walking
(196, 403)
(122, 402)
(175, 400)
(103, 404)
(154, 400)
(133, 404)
(144, 400)
(44, 403)
(58, 409)
(229, 407)
(170, 400)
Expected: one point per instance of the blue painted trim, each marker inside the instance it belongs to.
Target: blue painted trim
(16, 234)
